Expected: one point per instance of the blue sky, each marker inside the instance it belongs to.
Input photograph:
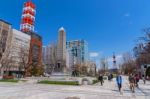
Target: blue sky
(108, 25)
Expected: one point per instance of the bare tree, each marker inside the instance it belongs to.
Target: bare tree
(142, 49)
(103, 64)
(23, 57)
(84, 70)
(92, 69)
(129, 64)
(76, 70)
(5, 62)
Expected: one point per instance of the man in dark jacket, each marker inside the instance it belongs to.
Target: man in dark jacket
(111, 75)
(100, 78)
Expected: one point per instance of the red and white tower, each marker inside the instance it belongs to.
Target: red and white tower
(114, 61)
(28, 17)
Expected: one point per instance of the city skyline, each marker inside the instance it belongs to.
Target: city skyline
(115, 23)
(74, 49)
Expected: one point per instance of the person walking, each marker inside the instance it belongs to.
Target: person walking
(119, 82)
(100, 78)
(137, 78)
(144, 80)
(111, 75)
(132, 82)
(109, 78)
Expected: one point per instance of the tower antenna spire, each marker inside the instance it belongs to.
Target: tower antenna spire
(114, 59)
(28, 17)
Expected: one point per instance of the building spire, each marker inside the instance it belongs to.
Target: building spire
(61, 29)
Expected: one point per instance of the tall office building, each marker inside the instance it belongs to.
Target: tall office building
(19, 52)
(35, 56)
(5, 42)
(49, 57)
(61, 51)
(45, 55)
(5, 35)
(49, 54)
(78, 52)
(14, 47)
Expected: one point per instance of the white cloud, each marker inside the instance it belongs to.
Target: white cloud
(94, 54)
(118, 57)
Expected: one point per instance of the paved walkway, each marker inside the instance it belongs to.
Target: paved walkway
(39, 91)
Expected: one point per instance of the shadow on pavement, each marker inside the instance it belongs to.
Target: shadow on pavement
(145, 93)
(115, 90)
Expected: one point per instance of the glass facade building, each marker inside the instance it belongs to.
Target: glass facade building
(78, 51)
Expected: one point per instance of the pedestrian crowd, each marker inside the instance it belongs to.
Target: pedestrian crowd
(132, 78)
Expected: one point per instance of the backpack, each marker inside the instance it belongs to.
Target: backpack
(131, 79)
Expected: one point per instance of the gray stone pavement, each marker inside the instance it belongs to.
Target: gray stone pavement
(39, 91)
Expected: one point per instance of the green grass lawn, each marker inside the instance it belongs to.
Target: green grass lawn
(8, 80)
(59, 82)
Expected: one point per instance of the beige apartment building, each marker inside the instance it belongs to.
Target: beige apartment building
(13, 45)
(5, 41)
